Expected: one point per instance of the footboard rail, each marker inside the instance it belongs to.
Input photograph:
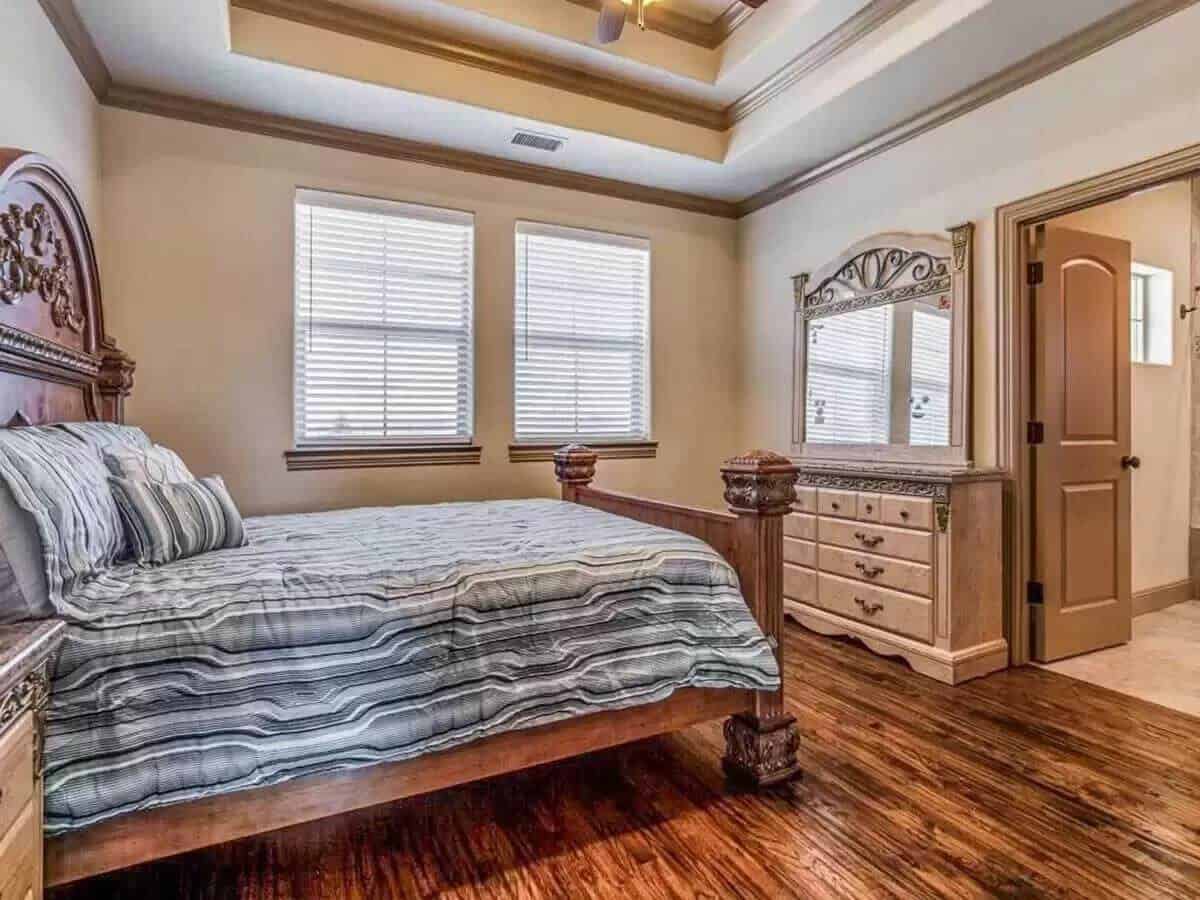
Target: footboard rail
(760, 488)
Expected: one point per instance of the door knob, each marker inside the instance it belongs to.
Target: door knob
(1130, 462)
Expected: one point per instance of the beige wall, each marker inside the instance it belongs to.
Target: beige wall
(1135, 99)
(1158, 223)
(48, 107)
(198, 282)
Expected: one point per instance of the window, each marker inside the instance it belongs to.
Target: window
(849, 377)
(929, 401)
(383, 323)
(581, 336)
(1151, 317)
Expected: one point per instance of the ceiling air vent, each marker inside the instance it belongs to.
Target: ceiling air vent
(546, 142)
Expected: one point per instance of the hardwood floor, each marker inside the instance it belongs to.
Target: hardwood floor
(1024, 784)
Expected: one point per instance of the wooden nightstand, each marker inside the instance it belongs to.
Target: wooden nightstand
(26, 657)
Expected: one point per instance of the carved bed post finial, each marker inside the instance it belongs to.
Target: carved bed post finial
(115, 380)
(760, 488)
(574, 467)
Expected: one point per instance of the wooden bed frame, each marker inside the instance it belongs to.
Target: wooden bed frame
(56, 365)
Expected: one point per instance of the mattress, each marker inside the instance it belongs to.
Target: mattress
(344, 639)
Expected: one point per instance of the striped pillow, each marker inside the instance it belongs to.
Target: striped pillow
(166, 522)
(63, 484)
(157, 463)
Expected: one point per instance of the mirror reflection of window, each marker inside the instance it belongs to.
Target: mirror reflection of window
(849, 377)
(929, 401)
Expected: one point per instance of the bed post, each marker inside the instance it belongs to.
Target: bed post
(760, 488)
(574, 467)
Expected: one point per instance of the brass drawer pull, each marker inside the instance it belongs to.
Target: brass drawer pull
(869, 608)
(869, 571)
(873, 541)
(904, 514)
(870, 508)
(834, 506)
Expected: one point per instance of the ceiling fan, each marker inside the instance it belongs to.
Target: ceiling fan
(614, 12)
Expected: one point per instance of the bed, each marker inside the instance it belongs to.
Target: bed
(344, 659)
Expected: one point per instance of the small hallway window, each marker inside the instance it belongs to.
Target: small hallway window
(1151, 317)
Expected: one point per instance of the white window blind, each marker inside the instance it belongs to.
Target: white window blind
(929, 405)
(581, 335)
(849, 377)
(383, 321)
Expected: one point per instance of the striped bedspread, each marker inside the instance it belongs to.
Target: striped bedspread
(337, 640)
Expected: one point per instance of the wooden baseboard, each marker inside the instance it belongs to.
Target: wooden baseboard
(1161, 597)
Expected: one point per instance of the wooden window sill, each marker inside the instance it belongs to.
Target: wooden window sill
(619, 450)
(311, 458)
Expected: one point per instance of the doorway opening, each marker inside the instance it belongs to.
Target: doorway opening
(1112, 452)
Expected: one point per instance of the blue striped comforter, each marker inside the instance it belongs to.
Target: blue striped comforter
(342, 639)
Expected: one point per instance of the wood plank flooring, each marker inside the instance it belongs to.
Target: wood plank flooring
(1025, 784)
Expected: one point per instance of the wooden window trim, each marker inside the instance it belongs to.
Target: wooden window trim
(538, 452)
(314, 458)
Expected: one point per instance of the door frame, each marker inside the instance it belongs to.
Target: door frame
(1014, 224)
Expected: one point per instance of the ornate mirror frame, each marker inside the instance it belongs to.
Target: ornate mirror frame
(882, 269)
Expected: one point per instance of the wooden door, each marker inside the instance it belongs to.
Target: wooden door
(1081, 462)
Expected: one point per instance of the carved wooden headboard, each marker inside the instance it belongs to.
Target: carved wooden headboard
(56, 363)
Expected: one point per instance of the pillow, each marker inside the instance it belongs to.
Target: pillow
(156, 463)
(63, 484)
(23, 592)
(166, 522)
(106, 435)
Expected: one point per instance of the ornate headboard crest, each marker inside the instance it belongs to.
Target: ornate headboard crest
(55, 361)
(883, 269)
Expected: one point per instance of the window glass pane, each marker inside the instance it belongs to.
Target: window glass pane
(581, 335)
(383, 315)
(849, 377)
(929, 404)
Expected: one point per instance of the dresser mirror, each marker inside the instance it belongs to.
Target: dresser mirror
(882, 352)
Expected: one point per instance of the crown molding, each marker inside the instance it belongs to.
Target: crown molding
(709, 35)
(1038, 65)
(382, 29)
(75, 37)
(874, 15)
(203, 112)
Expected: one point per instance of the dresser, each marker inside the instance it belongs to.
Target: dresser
(26, 656)
(907, 561)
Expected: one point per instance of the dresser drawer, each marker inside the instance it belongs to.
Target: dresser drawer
(893, 573)
(799, 584)
(912, 512)
(879, 539)
(18, 856)
(889, 610)
(16, 771)
(800, 526)
(843, 504)
(806, 500)
(800, 553)
(869, 507)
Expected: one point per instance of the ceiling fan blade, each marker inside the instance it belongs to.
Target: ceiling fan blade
(612, 21)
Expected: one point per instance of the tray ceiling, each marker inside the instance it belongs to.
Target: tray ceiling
(798, 84)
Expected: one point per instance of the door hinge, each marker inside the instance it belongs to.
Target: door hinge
(1035, 273)
(1035, 432)
(1033, 593)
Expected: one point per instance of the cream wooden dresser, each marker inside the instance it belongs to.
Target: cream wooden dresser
(26, 656)
(907, 561)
